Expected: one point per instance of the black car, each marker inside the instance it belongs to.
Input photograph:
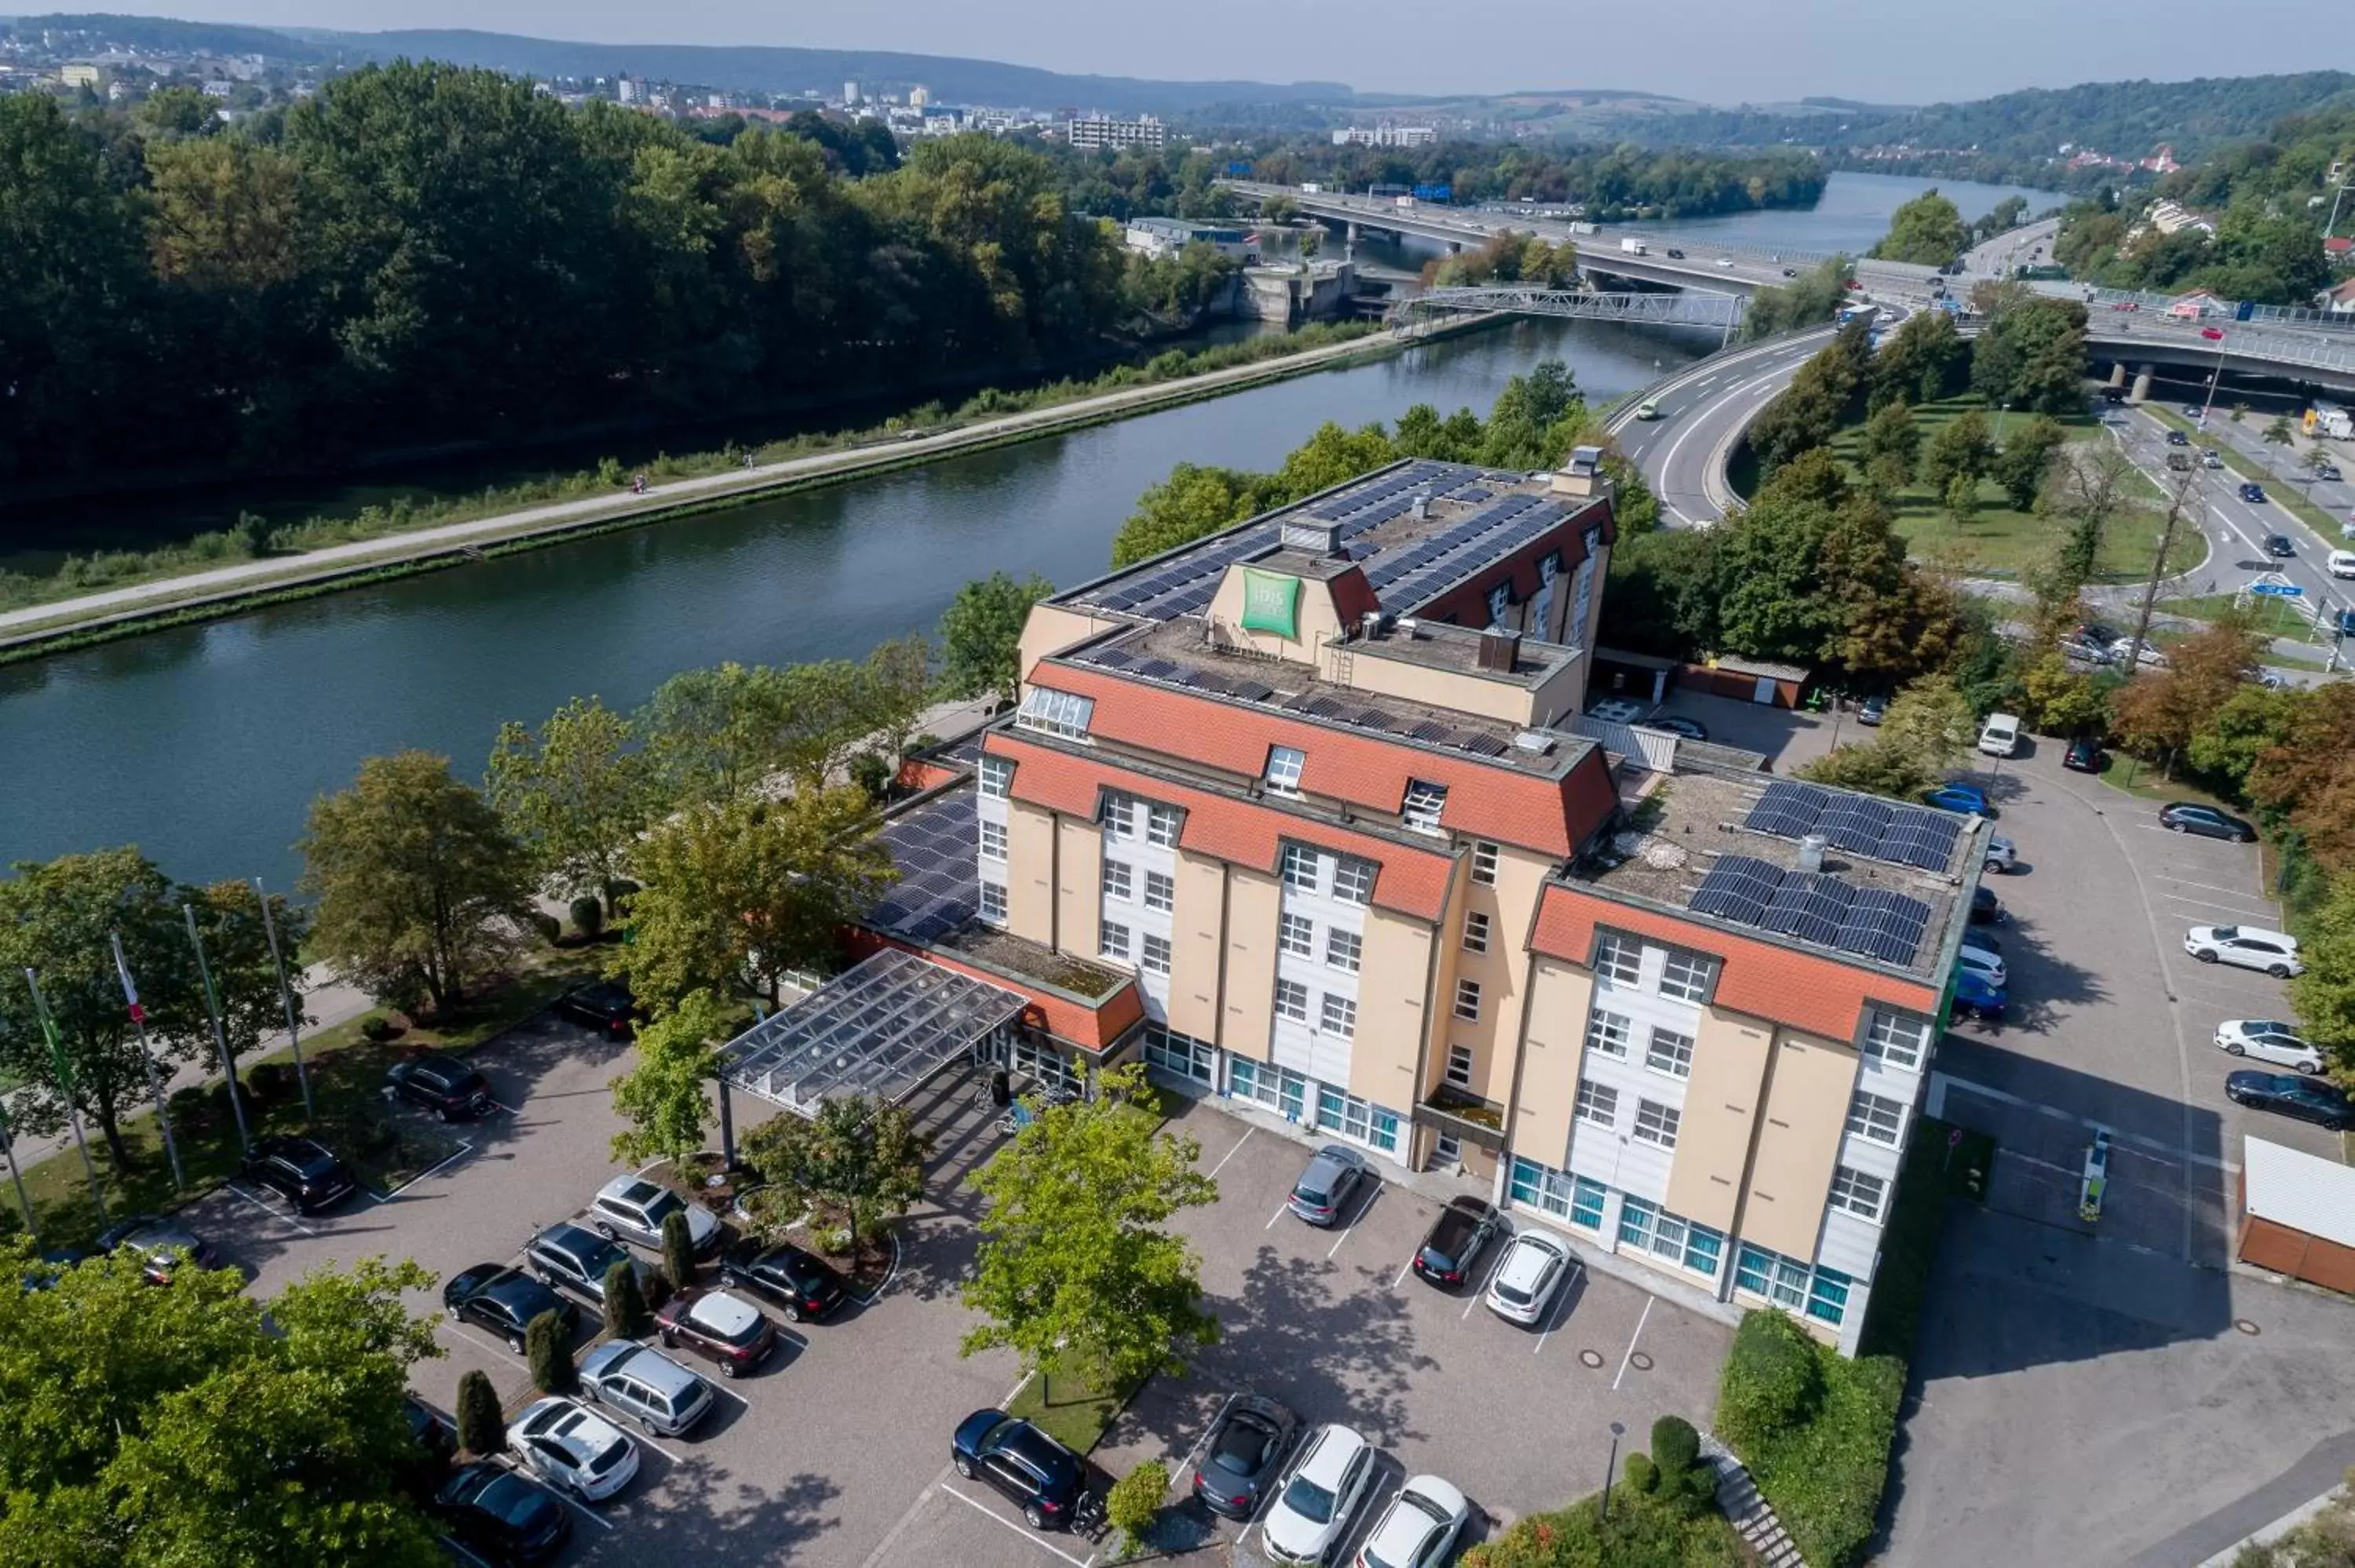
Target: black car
(1790, 271)
(2308, 1099)
(2327, 472)
(502, 1516)
(505, 1300)
(2083, 756)
(1038, 1474)
(435, 1436)
(1246, 1448)
(299, 1171)
(2190, 817)
(442, 1085)
(2178, 439)
(1691, 729)
(802, 1284)
(607, 1007)
(1674, 254)
(2279, 547)
(1457, 1236)
(1987, 909)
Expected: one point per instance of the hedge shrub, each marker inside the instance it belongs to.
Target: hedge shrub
(1133, 1503)
(1642, 1533)
(1815, 1429)
(482, 1425)
(549, 1351)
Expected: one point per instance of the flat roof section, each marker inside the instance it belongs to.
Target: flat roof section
(2302, 1191)
(882, 1027)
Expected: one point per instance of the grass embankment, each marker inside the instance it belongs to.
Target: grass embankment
(2278, 489)
(1999, 540)
(2273, 617)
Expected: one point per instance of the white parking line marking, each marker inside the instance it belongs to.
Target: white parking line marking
(464, 1148)
(591, 1515)
(1631, 1339)
(270, 1209)
(2235, 891)
(1562, 1296)
(1281, 1209)
(1363, 1210)
(1403, 1268)
(1230, 1153)
(890, 1275)
(1940, 1082)
(648, 1442)
(2203, 902)
(909, 1517)
(1026, 1534)
(1495, 1264)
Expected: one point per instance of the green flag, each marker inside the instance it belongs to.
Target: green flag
(49, 1035)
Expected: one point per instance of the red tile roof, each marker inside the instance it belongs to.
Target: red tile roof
(1818, 993)
(1412, 882)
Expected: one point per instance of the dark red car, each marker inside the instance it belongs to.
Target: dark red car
(720, 1326)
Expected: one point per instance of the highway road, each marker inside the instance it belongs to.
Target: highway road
(2010, 249)
(1703, 411)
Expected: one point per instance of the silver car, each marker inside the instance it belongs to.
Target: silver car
(1531, 1274)
(633, 1209)
(1323, 1192)
(647, 1386)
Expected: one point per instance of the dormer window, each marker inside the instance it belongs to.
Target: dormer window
(1422, 805)
(1056, 713)
(1284, 765)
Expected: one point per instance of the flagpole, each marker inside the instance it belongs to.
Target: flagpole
(8, 1147)
(155, 1083)
(220, 1037)
(286, 995)
(65, 1088)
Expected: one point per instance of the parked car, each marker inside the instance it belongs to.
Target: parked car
(578, 1259)
(2086, 649)
(647, 1386)
(428, 1429)
(571, 1448)
(1874, 709)
(1532, 1272)
(1320, 1495)
(1418, 1527)
(1247, 1444)
(1987, 909)
(1690, 729)
(2342, 563)
(2268, 1040)
(2083, 756)
(2308, 1099)
(2245, 947)
(2178, 439)
(633, 1209)
(720, 1326)
(441, 1084)
(1968, 798)
(2253, 492)
(503, 1517)
(505, 1300)
(1039, 1474)
(1334, 1175)
(2191, 817)
(1999, 737)
(802, 1284)
(299, 1171)
(1976, 996)
(2278, 545)
(2002, 855)
(163, 1247)
(606, 1006)
(2144, 653)
(1457, 1237)
(1983, 962)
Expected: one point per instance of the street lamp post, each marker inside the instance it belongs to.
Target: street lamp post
(1610, 1469)
(2213, 378)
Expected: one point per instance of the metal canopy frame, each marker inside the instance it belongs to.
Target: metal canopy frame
(882, 1027)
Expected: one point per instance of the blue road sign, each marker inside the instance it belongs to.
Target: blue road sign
(2278, 590)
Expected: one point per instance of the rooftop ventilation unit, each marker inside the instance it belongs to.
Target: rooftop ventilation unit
(1312, 538)
(1536, 742)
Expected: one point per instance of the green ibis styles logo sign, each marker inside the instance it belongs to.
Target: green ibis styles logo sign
(1271, 602)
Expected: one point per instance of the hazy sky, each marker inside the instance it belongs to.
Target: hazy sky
(1725, 51)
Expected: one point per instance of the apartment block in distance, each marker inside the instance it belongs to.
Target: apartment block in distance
(1098, 131)
(1308, 813)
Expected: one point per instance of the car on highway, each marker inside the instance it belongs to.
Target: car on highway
(1035, 1473)
(2328, 472)
(1461, 1230)
(1874, 709)
(571, 1448)
(2308, 1099)
(2245, 947)
(2342, 563)
(163, 1247)
(2210, 457)
(802, 1284)
(1647, 410)
(2279, 547)
(2207, 821)
(1532, 1272)
(1790, 271)
(1674, 254)
(505, 1300)
(2083, 756)
(606, 1006)
(579, 1260)
(2178, 439)
(1320, 1497)
(502, 1516)
(2192, 412)
(719, 1325)
(299, 1171)
(1246, 1445)
(1725, 261)
(2213, 334)
(1418, 1527)
(1333, 1177)
(441, 1084)
(1976, 996)
(2253, 492)
(1690, 729)
(2179, 462)
(1981, 960)
(2268, 1040)
(633, 1209)
(1968, 798)
(647, 1386)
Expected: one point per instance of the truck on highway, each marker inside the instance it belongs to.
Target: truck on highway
(1582, 227)
(1310, 187)
(2331, 419)
(1632, 246)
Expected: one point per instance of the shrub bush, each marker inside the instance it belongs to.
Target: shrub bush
(1772, 1381)
(1823, 1466)
(548, 926)
(1133, 1500)
(679, 1247)
(626, 1304)
(1640, 1534)
(589, 916)
(872, 773)
(482, 1425)
(379, 1028)
(1640, 1474)
(550, 1357)
(268, 1083)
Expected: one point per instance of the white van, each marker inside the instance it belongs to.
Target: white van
(2000, 735)
(2342, 563)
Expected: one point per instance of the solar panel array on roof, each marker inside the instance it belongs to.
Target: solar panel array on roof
(939, 887)
(1814, 908)
(1489, 533)
(1903, 835)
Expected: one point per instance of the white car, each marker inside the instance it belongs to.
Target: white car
(2001, 855)
(1987, 965)
(633, 1209)
(1999, 737)
(2148, 657)
(573, 1449)
(2342, 563)
(1529, 1275)
(1319, 1497)
(2248, 946)
(2268, 1040)
(1416, 1530)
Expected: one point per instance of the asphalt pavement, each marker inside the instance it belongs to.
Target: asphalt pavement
(1683, 453)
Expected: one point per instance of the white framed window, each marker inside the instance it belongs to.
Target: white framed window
(1896, 1040)
(1296, 933)
(1483, 863)
(1154, 954)
(1284, 765)
(1339, 1015)
(1343, 949)
(1161, 891)
(1686, 975)
(1292, 1000)
(1876, 1118)
(1181, 1053)
(996, 776)
(993, 840)
(1422, 805)
(1501, 599)
(1467, 1000)
(1597, 1103)
(1353, 879)
(1066, 713)
(1120, 814)
(1111, 941)
(1655, 1123)
(1459, 1065)
(1300, 867)
(1476, 932)
(993, 902)
(1607, 1032)
(1618, 958)
(1859, 1193)
(1446, 1153)
(1161, 825)
(1118, 882)
(1670, 1053)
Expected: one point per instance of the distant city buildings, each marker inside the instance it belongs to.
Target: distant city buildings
(1160, 236)
(1098, 131)
(1385, 136)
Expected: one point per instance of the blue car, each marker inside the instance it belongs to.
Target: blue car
(1976, 996)
(1037, 1474)
(2253, 492)
(1968, 798)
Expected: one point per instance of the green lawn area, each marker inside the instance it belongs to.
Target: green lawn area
(2273, 617)
(1066, 1408)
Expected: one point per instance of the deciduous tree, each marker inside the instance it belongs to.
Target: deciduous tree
(1926, 729)
(2026, 458)
(574, 793)
(1927, 231)
(1961, 448)
(981, 634)
(2325, 994)
(1890, 435)
(859, 1157)
(663, 1098)
(2160, 711)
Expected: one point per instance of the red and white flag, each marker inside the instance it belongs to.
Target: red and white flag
(130, 991)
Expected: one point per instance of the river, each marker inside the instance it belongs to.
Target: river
(1850, 215)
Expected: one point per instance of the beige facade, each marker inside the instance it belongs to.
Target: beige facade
(1502, 973)
(1395, 1016)
(1254, 901)
(1197, 939)
(1799, 1142)
(1030, 872)
(1079, 870)
(1052, 629)
(1721, 1117)
(1560, 996)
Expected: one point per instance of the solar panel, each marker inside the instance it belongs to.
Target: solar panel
(1252, 691)
(1325, 707)
(1112, 658)
(1205, 680)
(1431, 729)
(1374, 719)
(1738, 887)
(1156, 668)
(1485, 745)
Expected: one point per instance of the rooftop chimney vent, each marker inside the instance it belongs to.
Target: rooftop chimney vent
(1312, 538)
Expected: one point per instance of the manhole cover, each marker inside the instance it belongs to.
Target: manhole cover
(2246, 1326)
(1590, 1358)
(1640, 1361)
